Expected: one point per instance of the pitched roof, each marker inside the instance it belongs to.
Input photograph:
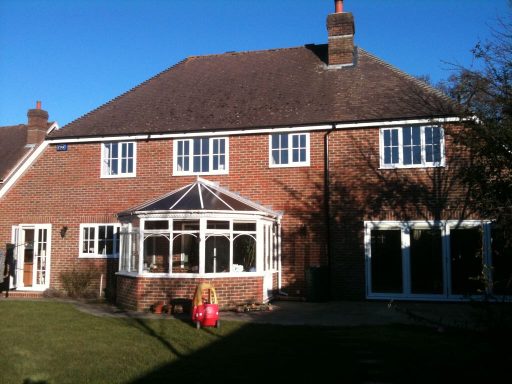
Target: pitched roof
(200, 196)
(13, 148)
(271, 88)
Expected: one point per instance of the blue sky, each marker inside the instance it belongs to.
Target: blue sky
(75, 55)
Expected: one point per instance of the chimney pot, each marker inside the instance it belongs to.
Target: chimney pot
(338, 6)
(38, 104)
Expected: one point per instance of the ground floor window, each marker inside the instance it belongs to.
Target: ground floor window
(178, 246)
(99, 240)
(441, 259)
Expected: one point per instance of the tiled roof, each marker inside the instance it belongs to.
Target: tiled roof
(12, 148)
(272, 88)
(201, 196)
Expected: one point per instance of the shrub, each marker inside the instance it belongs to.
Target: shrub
(77, 282)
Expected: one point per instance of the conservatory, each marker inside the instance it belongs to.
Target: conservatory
(200, 232)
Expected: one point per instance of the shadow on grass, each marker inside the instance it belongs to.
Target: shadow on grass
(399, 353)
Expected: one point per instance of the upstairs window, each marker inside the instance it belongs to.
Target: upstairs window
(99, 240)
(201, 156)
(289, 149)
(118, 159)
(411, 147)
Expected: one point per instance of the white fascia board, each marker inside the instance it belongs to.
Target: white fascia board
(399, 122)
(190, 134)
(21, 170)
(307, 128)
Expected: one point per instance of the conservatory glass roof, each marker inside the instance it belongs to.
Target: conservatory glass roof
(202, 195)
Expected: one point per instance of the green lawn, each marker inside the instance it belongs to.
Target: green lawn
(52, 342)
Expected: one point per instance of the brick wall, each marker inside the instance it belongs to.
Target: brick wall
(65, 189)
(140, 293)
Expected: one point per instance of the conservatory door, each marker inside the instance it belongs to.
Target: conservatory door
(33, 256)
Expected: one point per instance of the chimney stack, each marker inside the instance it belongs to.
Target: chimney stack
(37, 125)
(340, 31)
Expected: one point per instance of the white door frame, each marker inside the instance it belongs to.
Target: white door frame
(43, 259)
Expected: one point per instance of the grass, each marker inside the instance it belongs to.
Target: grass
(53, 342)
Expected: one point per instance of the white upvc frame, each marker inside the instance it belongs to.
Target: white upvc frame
(96, 254)
(291, 163)
(17, 238)
(203, 234)
(400, 164)
(105, 166)
(405, 227)
(190, 140)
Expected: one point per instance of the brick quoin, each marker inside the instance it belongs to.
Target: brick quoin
(65, 189)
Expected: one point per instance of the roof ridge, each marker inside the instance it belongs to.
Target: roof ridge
(236, 53)
(409, 77)
(127, 92)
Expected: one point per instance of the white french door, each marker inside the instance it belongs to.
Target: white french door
(32, 255)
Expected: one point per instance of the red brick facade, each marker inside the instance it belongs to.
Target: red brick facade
(65, 189)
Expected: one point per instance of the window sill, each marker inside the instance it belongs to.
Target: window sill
(98, 256)
(418, 166)
(118, 176)
(215, 173)
(289, 165)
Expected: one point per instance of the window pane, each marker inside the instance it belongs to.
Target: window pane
(395, 155)
(275, 157)
(386, 261)
(284, 157)
(466, 260)
(114, 150)
(185, 258)
(205, 164)
(417, 154)
(295, 141)
(197, 164)
(426, 261)
(387, 155)
(156, 224)
(295, 155)
(113, 167)
(156, 254)
(302, 155)
(244, 227)
(387, 138)
(244, 254)
(303, 141)
(197, 146)
(214, 224)
(216, 254)
(124, 150)
(275, 141)
(185, 225)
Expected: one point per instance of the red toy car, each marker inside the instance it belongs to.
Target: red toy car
(205, 310)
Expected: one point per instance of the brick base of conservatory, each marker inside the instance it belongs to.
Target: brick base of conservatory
(139, 293)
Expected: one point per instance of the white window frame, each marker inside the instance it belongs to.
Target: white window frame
(191, 155)
(290, 148)
(424, 163)
(96, 254)
(405, 228)
(105, 160)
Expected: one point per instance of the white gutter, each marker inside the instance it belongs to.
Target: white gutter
(307, 128)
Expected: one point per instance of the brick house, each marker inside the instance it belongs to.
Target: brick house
(250, 170)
